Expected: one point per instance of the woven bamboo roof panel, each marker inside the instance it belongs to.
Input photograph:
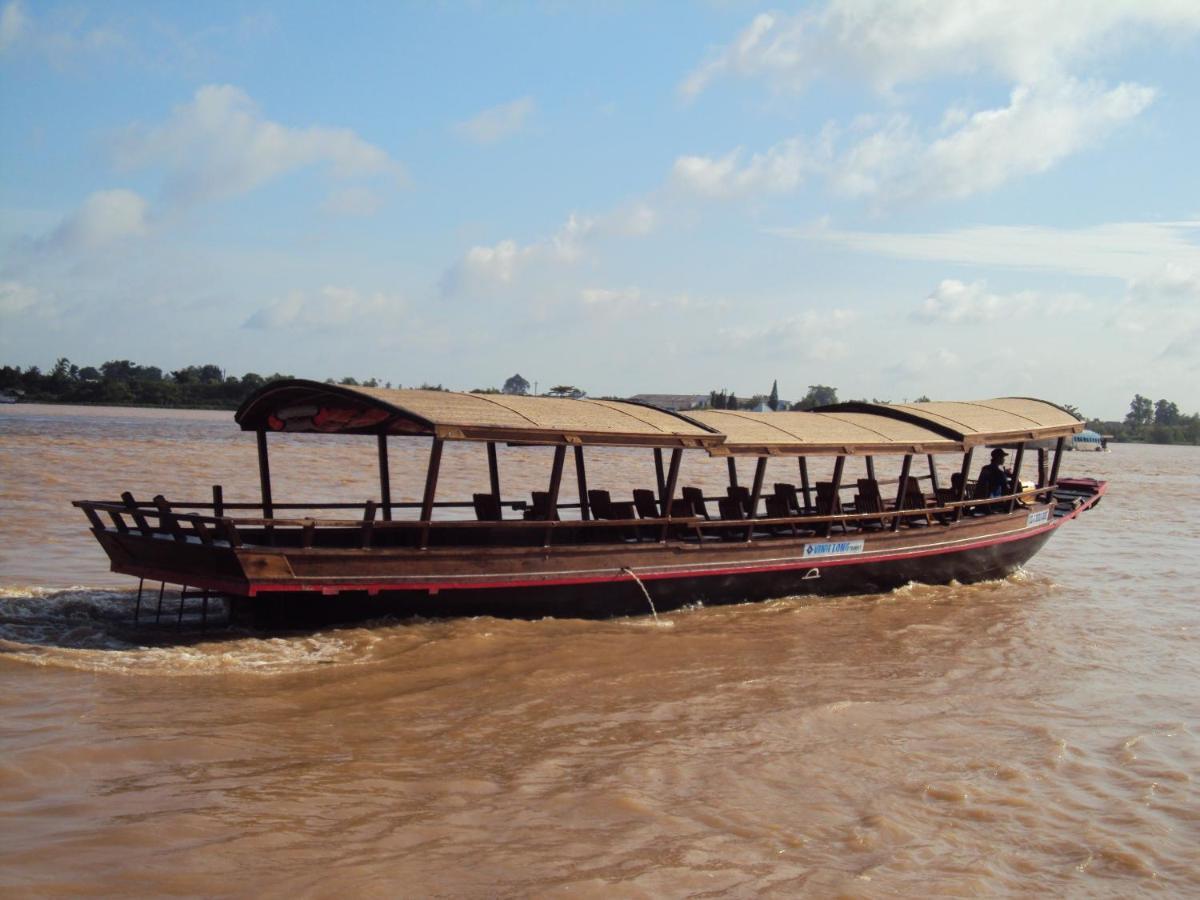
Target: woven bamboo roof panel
(786, 433)
(309, 406)
(978, 422)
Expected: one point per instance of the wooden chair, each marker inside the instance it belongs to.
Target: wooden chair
(695, 496)
(731, 510)
(600, 503)
(539, 510)
(741, 494)
(778, 508)
(790, 496)
(828, 504)
(914, 498)
(869, 500)
(645, 503)
(487, 507)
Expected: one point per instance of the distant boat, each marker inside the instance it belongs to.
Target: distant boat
(1087, 440)
(7, 398)
(668, 546)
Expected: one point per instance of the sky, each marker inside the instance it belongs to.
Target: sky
(961, 199)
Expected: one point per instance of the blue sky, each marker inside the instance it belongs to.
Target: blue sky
(960, 199)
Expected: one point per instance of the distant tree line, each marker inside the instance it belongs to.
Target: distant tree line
(1151, 422)
(818, 395)
(120, 382)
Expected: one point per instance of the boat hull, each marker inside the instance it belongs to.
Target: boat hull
(274, 585)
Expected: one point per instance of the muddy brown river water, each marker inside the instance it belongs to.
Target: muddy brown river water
(1036, 735)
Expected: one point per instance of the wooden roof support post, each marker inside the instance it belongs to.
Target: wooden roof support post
(668, 495)
(385, 479)
(760, 471)
(1058, 455)
(902, 490)
(556, 470)
(962, 487)
(731, 462)
(870, 467)
(264, 475)
(805, 486)
(493, 470)
(1041, 482)
(660, 479)
(839, 467)
(581, 480)
(1016, 475)
(431, 480)
(933, 475)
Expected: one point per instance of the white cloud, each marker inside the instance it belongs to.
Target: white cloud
(958, 303)
(330, 307)
(17, 298)
(804, 336)
(219, 144)
(918, 366)
(501, 263)
(498, 122)
(1123, 250)
(14, 23)
(62, 35)
(886, 43)
(609, 298)
(353, 201)
(1164, 302)
(1040, 127)
(1175, 286)
(780, 169)
(103, 218)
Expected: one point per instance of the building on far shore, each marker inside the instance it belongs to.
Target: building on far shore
(673, 402)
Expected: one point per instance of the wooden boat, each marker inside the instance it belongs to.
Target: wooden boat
(672, 546)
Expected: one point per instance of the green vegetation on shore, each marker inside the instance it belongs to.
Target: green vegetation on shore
(123, 383)
(1148, 422)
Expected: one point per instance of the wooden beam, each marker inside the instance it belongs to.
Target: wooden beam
(933, 475)
(870, 467)
(385, 479)
(839, 467)
(431, 480)
(732, 464)
(556, 470)
(1041, 482)
(760, 471)
(581, 479)
(493, 470)
(1058, 455)
(218, 501)
(264, 475)
(964, 472)
(805, 486)
(660, 479)
(905, 468)
(668, 495)
(1016, 475)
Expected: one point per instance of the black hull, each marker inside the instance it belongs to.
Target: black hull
(628, 597)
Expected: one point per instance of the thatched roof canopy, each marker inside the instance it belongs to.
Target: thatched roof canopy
(977, 422)
(798, 433)
(297, 405)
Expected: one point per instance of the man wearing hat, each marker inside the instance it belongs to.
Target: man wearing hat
(993, 479)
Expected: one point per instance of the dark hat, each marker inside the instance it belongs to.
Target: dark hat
(998, 453)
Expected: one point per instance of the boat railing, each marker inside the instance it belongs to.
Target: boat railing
(163, 519)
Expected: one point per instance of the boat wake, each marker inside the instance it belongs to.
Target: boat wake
(89, 629)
